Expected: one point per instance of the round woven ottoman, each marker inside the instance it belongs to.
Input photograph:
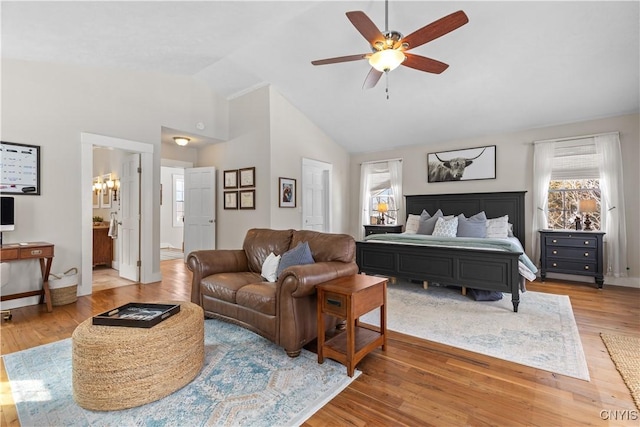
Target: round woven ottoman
(117, 367)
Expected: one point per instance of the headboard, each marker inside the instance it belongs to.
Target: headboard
(493, 204)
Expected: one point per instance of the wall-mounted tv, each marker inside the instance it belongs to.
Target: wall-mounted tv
(20, 166)
(7, 214)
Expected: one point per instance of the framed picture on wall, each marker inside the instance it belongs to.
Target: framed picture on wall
(231, 200)
(247, 177)
(247, 199)
(230, 178)
(286, 192)
(462, 165)
(105, 195)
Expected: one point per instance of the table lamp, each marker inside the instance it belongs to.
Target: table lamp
(382, 208)
(587, 206)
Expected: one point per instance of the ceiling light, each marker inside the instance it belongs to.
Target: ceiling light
(386, 60)
(181, 140)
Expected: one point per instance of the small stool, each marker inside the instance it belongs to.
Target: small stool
(117, 367)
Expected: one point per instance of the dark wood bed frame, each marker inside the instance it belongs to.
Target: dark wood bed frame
(470, 268)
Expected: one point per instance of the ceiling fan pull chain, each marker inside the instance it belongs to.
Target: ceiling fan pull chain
(387, 82)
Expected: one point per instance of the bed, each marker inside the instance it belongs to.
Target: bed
(491, 270)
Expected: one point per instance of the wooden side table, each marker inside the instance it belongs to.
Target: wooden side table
(349, 298)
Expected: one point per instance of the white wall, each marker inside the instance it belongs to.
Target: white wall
(514, 172)
(294, 137)
(50, 105)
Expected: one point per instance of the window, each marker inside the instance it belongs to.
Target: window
(575, 176)
(383, 205)
(564, 196)
(178, 200)
(381, 193)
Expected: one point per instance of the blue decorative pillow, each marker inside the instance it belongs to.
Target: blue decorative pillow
(427, 223)
(299, 255)
(446, 227)
(476, 226)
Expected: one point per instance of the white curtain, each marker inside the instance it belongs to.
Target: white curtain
(395, 176)
(613, 221)
(366, 170)
(543, 153)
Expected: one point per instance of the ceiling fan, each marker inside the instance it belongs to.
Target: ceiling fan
(390, 47)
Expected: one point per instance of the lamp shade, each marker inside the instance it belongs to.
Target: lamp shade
(382, 207)
(386, 60)
(587, 205)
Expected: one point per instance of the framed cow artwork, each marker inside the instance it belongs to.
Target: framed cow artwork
(462, 165)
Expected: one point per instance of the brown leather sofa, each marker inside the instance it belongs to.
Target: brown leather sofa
(227, 283)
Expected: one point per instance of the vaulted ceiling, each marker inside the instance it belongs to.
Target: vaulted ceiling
(515, 65)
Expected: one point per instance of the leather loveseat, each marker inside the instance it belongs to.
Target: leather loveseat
(228, 285)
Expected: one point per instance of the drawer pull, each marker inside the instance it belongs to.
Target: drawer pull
(555, 252)
(554, 241)
(555, 265)
(586, 267)
(586, 242)
(36, 252)
(586, 254)
(337, 303)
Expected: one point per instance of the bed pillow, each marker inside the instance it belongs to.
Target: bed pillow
(427, 223)
(446, 227)
(498, 228)
(299, 255)
(270, 267)
(475, 226)
(413, 222)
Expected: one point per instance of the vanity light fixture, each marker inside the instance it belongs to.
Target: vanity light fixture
(114, 186)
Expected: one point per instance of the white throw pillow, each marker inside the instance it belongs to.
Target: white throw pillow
(498, 228)
(270, 266)
(413, 222)
(446, 227)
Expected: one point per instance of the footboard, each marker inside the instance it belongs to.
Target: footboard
(479, 269)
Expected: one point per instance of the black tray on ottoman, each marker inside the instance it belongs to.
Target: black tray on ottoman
(137, 315)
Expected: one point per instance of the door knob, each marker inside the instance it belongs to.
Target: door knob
(211, 221)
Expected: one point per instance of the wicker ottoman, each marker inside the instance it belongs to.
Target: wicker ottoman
(117, 367)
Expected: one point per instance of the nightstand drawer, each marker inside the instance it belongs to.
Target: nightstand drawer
(587, 254)
(335, 304)
(570, 241)
(571, 266)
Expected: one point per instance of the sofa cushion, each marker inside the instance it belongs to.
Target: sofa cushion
(300, 255)
(327, 247)
(260, 242)
(270, 267)
(260, 297)
(224, 286)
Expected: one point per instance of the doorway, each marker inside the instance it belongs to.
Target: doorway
(171, 212)
(148, 273)
(316, 195)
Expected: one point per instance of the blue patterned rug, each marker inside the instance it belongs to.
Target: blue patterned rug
(543, 333)
(246, 380)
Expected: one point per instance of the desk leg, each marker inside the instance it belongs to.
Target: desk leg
(45, 269)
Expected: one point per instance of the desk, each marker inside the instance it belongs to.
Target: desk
(41, 251)
(349, 298)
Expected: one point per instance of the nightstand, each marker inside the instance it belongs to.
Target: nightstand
(382, 229)
(572, 252)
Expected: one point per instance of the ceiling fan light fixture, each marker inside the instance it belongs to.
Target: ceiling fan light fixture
(181, 140)
(386, 60)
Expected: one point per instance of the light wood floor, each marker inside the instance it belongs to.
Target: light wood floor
(414, 382)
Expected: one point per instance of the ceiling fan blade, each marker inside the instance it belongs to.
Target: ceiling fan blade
(434, 30)
(365, 26)
(340, 59)
(424, 64)
(372, 78)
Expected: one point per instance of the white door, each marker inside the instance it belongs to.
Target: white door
(316, 195)
(199, 209)
(129, 231)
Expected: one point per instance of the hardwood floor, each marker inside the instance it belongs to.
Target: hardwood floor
(414, 382)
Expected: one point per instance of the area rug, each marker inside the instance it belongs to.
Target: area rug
(543, 333)
(246, 380)
(625, 353)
